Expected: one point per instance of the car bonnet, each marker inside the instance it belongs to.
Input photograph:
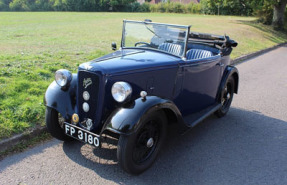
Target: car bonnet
(129, 60)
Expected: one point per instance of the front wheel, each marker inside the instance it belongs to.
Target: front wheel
(138, 151)
(55, 123)
(226, 98)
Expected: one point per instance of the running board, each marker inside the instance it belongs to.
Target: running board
(192, 120)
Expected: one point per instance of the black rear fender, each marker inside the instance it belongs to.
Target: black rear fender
(230, 71)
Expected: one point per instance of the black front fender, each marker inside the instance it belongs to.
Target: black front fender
(127, 119)
(61, 99)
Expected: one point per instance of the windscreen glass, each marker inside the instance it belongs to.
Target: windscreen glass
(167, 38)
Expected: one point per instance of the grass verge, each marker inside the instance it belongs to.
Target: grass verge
(24, 145)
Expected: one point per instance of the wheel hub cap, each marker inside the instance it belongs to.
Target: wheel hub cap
(150, 142)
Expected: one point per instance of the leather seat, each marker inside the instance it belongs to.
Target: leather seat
(198, 54)
(171, 48)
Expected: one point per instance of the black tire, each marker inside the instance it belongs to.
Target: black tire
(226, 98)
(53, 125)
(134, 154)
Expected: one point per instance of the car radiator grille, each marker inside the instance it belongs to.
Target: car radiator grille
(88, 82)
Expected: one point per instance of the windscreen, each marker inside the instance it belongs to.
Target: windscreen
(166, 38)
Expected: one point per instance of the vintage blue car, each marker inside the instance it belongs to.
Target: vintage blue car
(161, 74)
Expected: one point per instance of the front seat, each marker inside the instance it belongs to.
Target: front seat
(171, 48)
(198, 54)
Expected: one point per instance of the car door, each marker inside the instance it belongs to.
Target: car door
(199, 81)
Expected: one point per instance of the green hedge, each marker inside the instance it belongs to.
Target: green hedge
(137, 7)
(67, 5)
(226, 7)
(102, 5)
(261, 8)
(175, 7)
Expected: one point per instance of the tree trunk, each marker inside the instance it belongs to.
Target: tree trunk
(278, 15)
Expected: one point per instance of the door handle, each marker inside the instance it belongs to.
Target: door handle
(220, 64)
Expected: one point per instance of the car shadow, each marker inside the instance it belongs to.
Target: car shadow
(240, 148)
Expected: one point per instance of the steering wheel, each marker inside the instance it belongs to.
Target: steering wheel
(137, 43)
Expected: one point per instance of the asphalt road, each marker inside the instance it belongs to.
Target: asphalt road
(248, 146)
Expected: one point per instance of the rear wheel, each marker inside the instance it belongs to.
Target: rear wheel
(226, 98)
(55, 124)
(138, 151)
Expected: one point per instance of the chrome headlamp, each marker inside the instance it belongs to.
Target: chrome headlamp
(63, 77)
(121, 91)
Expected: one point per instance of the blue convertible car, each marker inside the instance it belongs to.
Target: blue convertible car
(161, 74)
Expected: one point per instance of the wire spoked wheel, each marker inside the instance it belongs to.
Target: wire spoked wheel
(138, 151)
(226, 97)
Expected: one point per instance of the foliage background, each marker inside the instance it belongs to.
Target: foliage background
(225, 7)
(260, 8)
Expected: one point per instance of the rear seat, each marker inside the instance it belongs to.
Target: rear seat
(198, 54)
(171, 48)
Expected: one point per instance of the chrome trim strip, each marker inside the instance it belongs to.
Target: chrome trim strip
(175, 25)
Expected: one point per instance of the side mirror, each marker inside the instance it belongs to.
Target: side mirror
(114, 46)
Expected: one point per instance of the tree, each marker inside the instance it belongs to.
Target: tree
(264, 10)
(4, 5)
(19, 5)
(115, 5)
(278, 14)
(227, 7)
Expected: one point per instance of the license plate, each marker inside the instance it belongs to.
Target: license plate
(82, 135)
